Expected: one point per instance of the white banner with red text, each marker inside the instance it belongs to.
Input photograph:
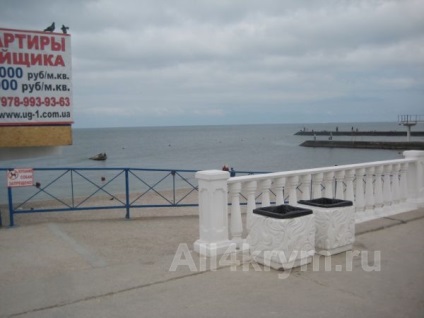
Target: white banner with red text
(35, 78)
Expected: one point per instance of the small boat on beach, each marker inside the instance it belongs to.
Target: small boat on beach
(101, 156)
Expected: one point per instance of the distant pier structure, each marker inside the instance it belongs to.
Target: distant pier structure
(408, 121)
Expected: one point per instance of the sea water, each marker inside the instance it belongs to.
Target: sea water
(267, 147)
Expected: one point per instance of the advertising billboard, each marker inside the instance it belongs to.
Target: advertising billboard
(35, 78)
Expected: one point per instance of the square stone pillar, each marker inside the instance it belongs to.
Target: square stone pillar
(213, 214)
(415, 176)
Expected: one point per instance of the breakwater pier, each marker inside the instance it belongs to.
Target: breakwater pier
(405, 120)
(364, 144)
(371, 133)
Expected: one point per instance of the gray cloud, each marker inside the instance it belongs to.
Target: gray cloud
(193, 62)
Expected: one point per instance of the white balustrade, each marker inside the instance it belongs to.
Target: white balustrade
(250, 188)
(378, 195)
(292, 188)
(278, 187)
(316, 185)
(306, 186)
(359, 190)
(376, 188)
(349, 177)
(395, 183)
(265, 188)
(328, 184)
(369, 189)
(387, 188)
(236, 226)
(339, 175)
(403, 182)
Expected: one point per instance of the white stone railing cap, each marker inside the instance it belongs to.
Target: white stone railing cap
(212, 175)
(312, 171)
(413, 154)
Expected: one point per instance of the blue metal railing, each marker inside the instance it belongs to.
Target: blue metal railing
(76, 189)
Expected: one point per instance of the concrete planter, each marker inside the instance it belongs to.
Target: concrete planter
(334, 225)
(284, 241)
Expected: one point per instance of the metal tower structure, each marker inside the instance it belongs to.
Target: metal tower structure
(409, 121)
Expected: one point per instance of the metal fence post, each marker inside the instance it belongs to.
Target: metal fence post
(173, 186)
(9, 195)
(127, 194)
(72, 187)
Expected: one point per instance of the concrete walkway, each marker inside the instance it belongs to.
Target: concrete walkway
(121, 268)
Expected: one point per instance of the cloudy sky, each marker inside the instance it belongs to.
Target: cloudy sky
(195, 62)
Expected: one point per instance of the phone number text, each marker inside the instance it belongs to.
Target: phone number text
(34, 101)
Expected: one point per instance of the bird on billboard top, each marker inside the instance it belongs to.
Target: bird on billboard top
(52, 27)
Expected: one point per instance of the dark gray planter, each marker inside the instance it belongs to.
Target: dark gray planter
(282, 211)
(326, 203)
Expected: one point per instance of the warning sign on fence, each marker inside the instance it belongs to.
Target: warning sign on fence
(23, 177)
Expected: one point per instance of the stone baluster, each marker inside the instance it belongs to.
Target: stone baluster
(349, 176)
(250, 188)
(278, 186)
(359, 190)
(378, 187)
(369, 189)
(292, 187)
(403, 182)
(339, 184)
(316, 185)
(387, 188)
(306, 186)
(328, 184)
(236, 225)
(265, 188)
(395, 183)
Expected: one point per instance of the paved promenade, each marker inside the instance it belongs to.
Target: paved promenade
(119, 268)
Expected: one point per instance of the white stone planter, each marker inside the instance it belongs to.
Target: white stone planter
(334, 229)
(282, 243)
